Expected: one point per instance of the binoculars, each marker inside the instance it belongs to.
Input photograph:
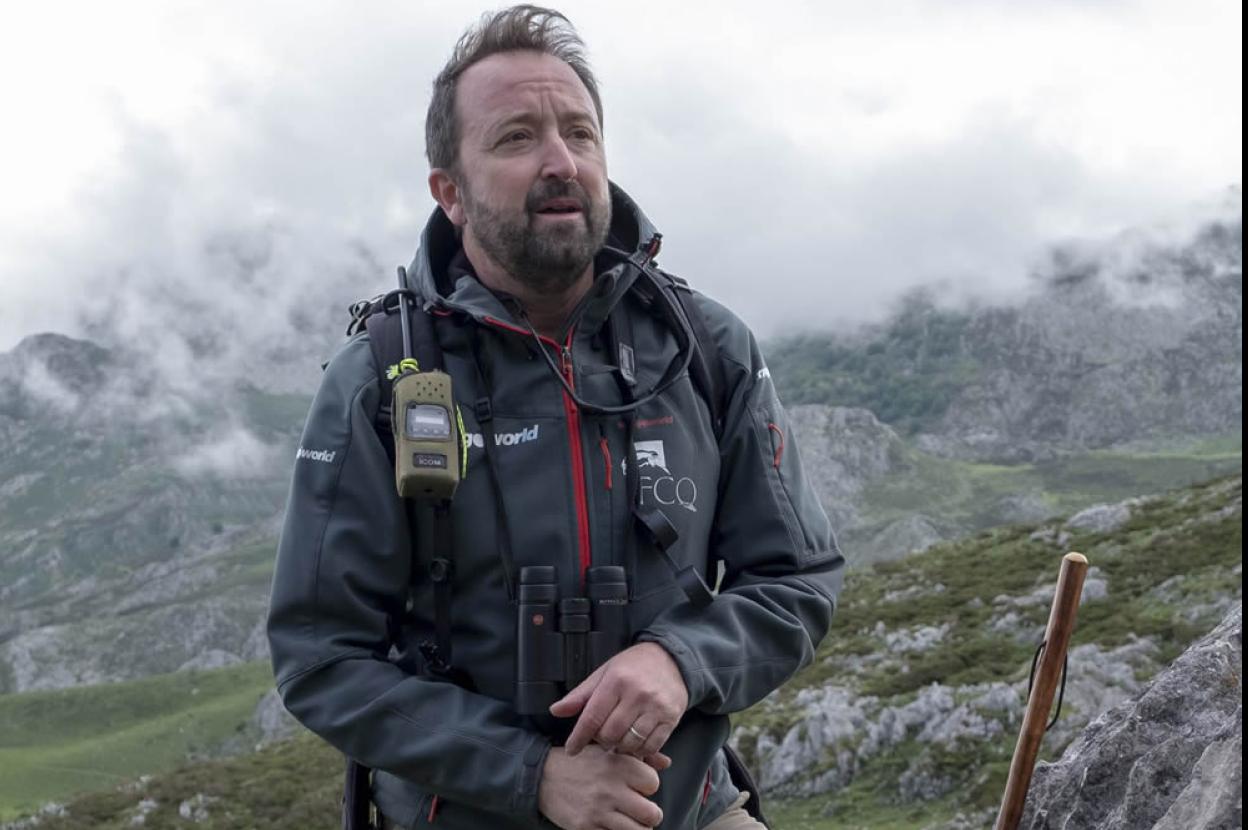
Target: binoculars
(561, 642)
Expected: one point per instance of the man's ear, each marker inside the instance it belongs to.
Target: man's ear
(446, 193)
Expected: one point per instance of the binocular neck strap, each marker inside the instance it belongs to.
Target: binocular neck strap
(484, 413)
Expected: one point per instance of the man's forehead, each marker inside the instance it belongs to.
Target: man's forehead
(510, 83)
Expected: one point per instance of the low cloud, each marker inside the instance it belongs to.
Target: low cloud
(229, 225)
(234, 453)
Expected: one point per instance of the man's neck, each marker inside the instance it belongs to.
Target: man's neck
(547, 312)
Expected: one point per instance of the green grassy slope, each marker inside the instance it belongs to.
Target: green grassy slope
(55, 744)
(292, 785)
(965, 496)
(1190, 540)
(1160, 542)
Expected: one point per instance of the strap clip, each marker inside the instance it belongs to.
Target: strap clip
(694, 587)
(484, 410)
(440, 570)
(628, 364)
(433, 657)
(661, 530)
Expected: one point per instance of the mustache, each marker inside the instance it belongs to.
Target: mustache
(547, 189)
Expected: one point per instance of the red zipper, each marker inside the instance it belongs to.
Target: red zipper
(578, 459)
(573, 416)
(775, 459)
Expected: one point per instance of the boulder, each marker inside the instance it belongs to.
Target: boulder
(1102, 518)
(1167, 759)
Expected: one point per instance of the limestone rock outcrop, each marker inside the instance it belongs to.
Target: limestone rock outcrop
(1167, 760)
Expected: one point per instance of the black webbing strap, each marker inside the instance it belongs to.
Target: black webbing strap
(430, 521)
(707, 372)
(385, 338)
(425, 346)
(711, 385)
(483, 411)
(741, 778)
(708, 368)
(441, 571)
(357, 809)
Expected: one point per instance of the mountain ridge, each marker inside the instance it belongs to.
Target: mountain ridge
(133, 484)
(1103, 353)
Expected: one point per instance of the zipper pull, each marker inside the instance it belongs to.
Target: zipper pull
(606, 454)
(565, 354)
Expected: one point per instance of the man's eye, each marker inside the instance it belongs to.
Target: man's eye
(515, 137)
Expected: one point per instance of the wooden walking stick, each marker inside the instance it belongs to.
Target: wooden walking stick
(1052, 669)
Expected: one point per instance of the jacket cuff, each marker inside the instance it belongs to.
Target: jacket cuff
(690, 667)
(529, 778)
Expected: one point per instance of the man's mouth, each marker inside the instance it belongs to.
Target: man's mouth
(557, 207)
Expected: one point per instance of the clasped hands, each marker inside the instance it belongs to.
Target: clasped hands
(627, 709)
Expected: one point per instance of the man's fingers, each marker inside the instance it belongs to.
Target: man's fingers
(590, 722)
(655, 740)
(641, 810)
(634, 738)
(641, 778)
(615, 732)
(573, 701)
(622, 821)
(658, 761)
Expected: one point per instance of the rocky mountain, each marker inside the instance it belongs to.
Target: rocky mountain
(1170, 759)
(137, 517)
(913, 709)
(1121, 343)
(141, 489)
(888, 498)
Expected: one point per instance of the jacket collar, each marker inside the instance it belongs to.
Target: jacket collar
(431, 277)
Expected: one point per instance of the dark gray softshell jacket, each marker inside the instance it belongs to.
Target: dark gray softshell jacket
(351, 599)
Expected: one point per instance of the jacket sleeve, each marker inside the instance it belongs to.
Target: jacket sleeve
(343, 570)
(783, 568)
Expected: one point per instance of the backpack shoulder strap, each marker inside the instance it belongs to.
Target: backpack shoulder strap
(741, 778)
(380, 317)
(384, 324)
(708, 367)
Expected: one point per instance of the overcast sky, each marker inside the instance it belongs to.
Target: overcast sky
(807, 161)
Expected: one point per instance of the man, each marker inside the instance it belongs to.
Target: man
(581, 428)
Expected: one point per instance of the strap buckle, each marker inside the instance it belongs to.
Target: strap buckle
(628, 364)
(440, 570)
(433, 657)
(484, 410)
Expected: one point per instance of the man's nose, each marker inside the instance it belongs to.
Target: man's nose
(558, 161)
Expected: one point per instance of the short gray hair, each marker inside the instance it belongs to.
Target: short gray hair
(519, 28)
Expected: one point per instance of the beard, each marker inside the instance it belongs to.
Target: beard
(549, 259)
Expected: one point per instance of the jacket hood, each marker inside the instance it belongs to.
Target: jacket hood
(428, 275)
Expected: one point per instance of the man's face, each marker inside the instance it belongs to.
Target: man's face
(531, 180)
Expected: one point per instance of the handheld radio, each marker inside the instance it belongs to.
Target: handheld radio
(425, 423)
